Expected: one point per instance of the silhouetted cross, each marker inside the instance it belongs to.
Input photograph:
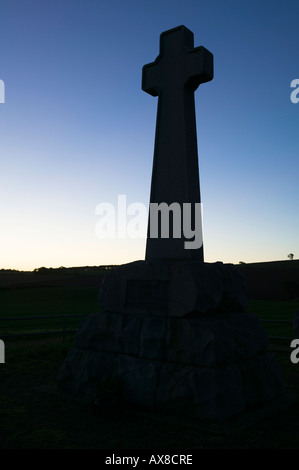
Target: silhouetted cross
(179, 64)
(174, 76)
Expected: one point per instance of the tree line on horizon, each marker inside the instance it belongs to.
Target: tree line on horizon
(76, 269)
(63, 269)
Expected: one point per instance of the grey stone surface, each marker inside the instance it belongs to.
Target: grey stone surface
(211, 367)
(205, 341)
(187, 287)
(140, 379)
(213, 394)
(83, 371)
(174, 76)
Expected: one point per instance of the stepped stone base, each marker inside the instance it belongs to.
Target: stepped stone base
(173, 288)
(207, 364)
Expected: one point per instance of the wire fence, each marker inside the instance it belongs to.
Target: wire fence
(278, 323)
(47, 325)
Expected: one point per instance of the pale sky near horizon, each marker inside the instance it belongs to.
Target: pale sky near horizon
(76, 129)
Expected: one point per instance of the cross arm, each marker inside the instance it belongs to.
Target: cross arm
(150, 77)
(200, 68)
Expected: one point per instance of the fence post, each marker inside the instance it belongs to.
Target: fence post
(63, 332)
(296, 325)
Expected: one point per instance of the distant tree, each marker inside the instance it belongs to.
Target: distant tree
(10, 270)
(291, 256)
(242, 262)
(41, 270)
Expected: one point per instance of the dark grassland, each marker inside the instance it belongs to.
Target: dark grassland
(33, 416)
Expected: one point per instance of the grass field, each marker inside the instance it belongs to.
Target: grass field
(43, 302)
(48, 301)
(278, 310)
(33, 417)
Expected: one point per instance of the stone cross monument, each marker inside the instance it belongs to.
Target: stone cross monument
(174, 76)
(173, 331)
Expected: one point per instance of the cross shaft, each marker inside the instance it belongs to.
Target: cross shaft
(174, 76)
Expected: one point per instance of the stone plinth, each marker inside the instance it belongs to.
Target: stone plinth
(174, 288)
(197, 359)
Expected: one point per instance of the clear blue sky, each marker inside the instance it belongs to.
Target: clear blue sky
(77, 130)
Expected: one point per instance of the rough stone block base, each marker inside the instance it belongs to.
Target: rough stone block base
(212, 368)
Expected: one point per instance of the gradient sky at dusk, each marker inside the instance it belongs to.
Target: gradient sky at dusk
(76, 129)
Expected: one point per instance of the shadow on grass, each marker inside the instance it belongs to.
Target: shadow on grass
(32, 418)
